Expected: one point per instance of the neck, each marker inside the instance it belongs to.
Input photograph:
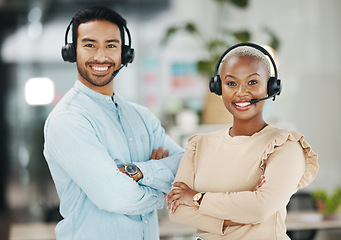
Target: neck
(105, 90)
(246, 128)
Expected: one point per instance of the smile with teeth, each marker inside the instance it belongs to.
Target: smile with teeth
(242, 104)
(100, 68)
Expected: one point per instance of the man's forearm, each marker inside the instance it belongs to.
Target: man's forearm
(159, 174)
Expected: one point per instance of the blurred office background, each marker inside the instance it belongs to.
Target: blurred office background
(165, 77)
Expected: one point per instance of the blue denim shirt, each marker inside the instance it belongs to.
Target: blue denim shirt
(87, 136)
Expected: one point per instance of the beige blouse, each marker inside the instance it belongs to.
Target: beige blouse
(228, 168)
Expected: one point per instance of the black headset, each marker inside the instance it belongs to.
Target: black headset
(274, 86)
(69, 50)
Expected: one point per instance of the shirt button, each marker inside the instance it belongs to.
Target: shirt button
(108, 98)
(143, 215)
(130, 139)
(146, 221)
(147, 181)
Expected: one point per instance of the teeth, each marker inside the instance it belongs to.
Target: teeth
(100, 68)
(243, 104)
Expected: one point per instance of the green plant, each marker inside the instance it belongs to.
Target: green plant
(327, 204)
(224, 38)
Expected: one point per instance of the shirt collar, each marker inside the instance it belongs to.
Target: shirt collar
(91, 93)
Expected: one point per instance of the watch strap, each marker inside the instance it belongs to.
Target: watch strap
(136, 176)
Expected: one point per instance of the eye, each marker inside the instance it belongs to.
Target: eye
(253, 82)
(231, 83)
(89, 45)
(111, 46)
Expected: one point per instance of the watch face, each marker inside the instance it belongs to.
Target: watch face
(131, 169)
(197, 197)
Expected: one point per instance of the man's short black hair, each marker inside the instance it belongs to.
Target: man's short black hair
(97, 13)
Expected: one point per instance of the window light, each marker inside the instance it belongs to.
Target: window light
(39, 91)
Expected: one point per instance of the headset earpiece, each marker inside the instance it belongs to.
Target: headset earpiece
(128, 55)
(68, 50)
(69, 53)
(274, 86)
(215, 85)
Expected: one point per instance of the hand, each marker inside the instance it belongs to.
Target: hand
(260, 183)
(181, 194)
(159, 153)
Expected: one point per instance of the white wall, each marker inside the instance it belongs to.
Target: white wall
(309, 57)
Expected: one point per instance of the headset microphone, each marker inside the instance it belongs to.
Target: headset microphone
(274, 88)
(252, 101)
(117, 71)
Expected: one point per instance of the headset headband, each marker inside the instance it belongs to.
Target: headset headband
(124, 28)
(265, 52)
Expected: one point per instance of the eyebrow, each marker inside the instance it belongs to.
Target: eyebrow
(93, 40)
(252, 74)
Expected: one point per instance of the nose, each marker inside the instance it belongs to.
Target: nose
(242, 90)
(100, 55)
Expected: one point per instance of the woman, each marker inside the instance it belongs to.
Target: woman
(214, 188)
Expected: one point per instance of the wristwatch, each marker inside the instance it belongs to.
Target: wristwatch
(197, 198)
(132, 170)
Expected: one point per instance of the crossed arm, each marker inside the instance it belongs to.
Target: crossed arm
(156, 155)
(95, 174)
(181, 194)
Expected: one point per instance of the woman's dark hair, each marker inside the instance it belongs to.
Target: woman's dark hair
(97, 13)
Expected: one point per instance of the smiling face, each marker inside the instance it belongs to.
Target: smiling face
(98, 54)
(244, 78)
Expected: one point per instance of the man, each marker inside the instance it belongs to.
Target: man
(106, 155)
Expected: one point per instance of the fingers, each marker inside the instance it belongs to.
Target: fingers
(174, 195)
(166, 153)
(159, 153)
(181, 185)
(153, 154)
(173, 192)
(177, 196)
(260, 183)
(175, 205)
(175, 200)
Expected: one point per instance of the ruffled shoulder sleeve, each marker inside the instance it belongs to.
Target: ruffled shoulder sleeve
(201, 140)
(311, 165)
(192, 142)
(187, 166)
